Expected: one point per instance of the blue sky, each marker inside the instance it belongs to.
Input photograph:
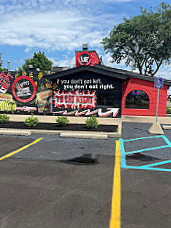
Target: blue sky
(59, 27)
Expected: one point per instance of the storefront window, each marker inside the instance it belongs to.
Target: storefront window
(105, 99)
(137, 99)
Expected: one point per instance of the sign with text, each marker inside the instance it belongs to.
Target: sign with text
(86, 94)
(84, 84)
(24, 89)
(75, 99)
(158, 83)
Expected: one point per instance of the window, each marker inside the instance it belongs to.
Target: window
(137, 99)
(105, 99)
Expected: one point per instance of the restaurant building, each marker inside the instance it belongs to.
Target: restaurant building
(90, 88)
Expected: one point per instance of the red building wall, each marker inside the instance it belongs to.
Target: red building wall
(148, 87)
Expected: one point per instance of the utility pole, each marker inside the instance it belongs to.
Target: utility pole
(8, 65)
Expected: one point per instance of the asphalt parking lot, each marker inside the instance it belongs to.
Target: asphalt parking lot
(146, 193)
(42, 186)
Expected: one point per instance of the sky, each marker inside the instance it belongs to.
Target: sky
(59, 27)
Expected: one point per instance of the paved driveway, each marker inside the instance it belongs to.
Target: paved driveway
(41, 187)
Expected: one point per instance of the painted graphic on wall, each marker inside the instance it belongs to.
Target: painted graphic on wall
(75, 99)
(25, 92)
(6, 100)
(5, 82)
(110, 112)
(24, 89)
(68, 96)
(84, 97)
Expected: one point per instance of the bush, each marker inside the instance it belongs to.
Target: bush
(31, 121)
(92, 122)
(4, 118)
(168, 110)
(62, 121)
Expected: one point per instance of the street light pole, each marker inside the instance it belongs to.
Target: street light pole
(8, 65)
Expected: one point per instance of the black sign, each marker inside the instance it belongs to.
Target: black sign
(24, 89)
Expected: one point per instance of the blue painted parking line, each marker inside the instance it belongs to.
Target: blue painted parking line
(149, 166)
(146, 149)
(148, 137)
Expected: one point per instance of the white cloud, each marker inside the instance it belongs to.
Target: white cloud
(55, 30)
(66, 62)
(27, 50)
(165, 72)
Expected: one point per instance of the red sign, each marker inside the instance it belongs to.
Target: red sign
(24, 89)
(84, 58)
(75, 99)
(5, 82)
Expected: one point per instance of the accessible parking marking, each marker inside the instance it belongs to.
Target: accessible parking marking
(116, 195)
(149, 166)
(20, 149)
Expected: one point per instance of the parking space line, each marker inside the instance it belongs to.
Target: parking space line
(116, 194)
(157, 164)
(123, 156)
(148, 166)
(146, 149)
(20, 149)
(147, 137)
(166, 140)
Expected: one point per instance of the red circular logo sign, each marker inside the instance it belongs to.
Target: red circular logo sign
(85, 58)
(24, 89)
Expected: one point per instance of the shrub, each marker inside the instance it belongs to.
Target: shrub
(168, 110)
(4, 118)
(62, 121)
(31, 121)
(92, 122)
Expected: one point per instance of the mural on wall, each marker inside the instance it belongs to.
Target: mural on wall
(24, 89)
(85, 96)
(25, 92)
(81, 97)
(5, 82)
(6, 99)
(44, 95)
(74, 99)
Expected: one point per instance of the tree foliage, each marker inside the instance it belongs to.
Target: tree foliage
(39, 60)
(143, 41)
(1, 61)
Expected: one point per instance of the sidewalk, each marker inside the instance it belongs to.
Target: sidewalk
(81, 120)
(105, 121)
(72, 120)
(147, 119)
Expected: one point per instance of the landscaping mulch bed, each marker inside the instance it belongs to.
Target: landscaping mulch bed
(54, 126)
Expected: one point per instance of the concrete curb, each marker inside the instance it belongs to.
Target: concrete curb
(83, 135)
(62, 133)
(14, 132)
(166, 127)
(75, 134)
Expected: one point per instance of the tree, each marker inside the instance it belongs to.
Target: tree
(1, 61)
(39, 60)
(143, 41)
